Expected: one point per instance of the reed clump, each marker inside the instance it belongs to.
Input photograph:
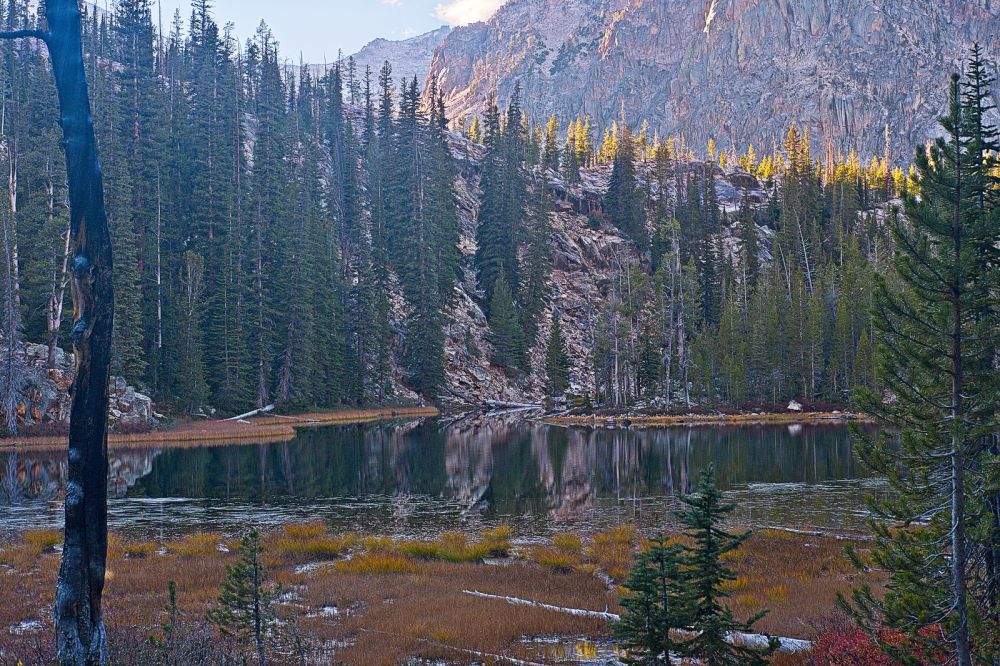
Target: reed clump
(377, 563)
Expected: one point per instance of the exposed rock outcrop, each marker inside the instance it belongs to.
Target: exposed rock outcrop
(47, 400)
(587, 253)
(737, 70)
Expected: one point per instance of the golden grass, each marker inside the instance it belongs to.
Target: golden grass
(450, 547)
(309, 541)
(378, 563)
(568, 542)
(671, 420)
(305, 531)
(261, 430)
(399, 604)
(612, 551)
(137, 550)
(196, 545)
(23, 555)
(42, 540)
(498, 540)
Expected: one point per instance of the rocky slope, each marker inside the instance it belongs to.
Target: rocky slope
(409, 57)
(736, 70)
(587, 254)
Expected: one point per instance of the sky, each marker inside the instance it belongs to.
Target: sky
(318, 28)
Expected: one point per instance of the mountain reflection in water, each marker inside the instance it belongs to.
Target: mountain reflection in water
(424, 476)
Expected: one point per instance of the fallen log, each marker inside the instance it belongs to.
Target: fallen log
(788, 645)
(498, 405)
(579, 612)
(262, 410)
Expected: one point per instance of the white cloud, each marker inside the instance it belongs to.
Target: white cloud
(464, 12)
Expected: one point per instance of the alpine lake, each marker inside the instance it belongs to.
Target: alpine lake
(416, 478)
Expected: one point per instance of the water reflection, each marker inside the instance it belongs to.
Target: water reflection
(424, 476)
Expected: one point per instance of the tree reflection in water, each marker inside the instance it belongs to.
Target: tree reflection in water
(427, 475)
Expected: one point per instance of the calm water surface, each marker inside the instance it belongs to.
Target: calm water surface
(417, 478)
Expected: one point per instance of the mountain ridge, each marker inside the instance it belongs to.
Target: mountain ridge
(409, 57)
(738, 71)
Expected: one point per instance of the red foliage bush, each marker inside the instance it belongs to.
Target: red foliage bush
(845, 645)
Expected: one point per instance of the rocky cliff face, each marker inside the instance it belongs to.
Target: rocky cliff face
(737, 70)
(587, 255)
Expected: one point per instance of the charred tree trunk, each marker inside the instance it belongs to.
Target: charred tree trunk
(79, 625)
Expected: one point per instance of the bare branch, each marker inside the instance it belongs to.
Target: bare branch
(18, 34)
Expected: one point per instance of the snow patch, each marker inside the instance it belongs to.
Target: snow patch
(325, 611)
(27, 627)
(710, 15)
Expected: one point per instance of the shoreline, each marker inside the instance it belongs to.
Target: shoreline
(259, 430)
(280, 428)
(627, 420)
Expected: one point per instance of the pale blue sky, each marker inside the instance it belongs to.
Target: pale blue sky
(317, 28)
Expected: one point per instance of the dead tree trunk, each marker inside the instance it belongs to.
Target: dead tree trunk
(79, 625)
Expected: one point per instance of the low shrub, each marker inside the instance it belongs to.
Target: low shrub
(847, 646)
(844, 644)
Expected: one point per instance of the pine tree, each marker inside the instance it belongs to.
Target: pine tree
(271, 247)
(475, 133)
(749, 247)
(550, 156)
(571, 159)
(656, 603)
(246, 604)
(937, 335)
(557, 364)
(501, 211)
(623, 200)
(983, 181)
(704, 574)
(190, 387)
(373, 292)
(138, 140)
(505, 329)
(424, 232)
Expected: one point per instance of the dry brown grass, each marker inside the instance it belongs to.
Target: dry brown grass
(394, 601)
(671, 420)
(260, 430)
